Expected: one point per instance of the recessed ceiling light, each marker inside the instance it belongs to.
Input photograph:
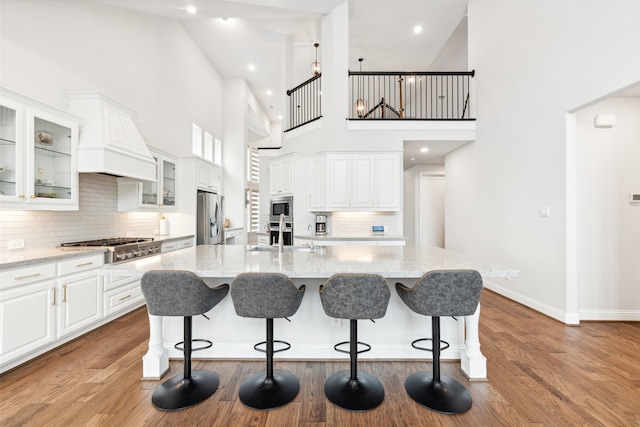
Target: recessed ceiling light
(417, 29)
(412, 158)
(252, 67)
(269, 93)
(191, 9)
(424, 149)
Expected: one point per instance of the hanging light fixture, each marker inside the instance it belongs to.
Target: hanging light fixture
(360, 105)
(316, 66)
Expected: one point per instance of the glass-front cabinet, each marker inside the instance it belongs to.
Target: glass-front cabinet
(160, 193)
(38, 162)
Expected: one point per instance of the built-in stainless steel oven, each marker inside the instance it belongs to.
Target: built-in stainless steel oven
(281, 205)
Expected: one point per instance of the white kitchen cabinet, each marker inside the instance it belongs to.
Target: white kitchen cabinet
(44, 305)
(121, 295)
(233, 236)
(360, 182)
(175, 245)
(208, 176)
(27, 311)
(281, 176)
(159, 195)
(38, 155)
(79, 294)
(317, 183)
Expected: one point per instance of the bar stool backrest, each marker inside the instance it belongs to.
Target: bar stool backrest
(444, 293)
(355, 296)
(179, 293)
(265, 295)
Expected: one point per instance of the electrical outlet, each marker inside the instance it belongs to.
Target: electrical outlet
(15, 244)
(336, 322)
(128, 234)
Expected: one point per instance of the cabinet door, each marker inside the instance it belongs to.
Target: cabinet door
(26, 319)
(363, 182)
(316, 183)
(388, 182)
(11, 152)
(205, 174)
(149, 189)
(80, 302)
(339, 181)
(287, 176)
(168, 183)
(275, 178)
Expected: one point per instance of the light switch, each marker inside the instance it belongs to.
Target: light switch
(544, 211)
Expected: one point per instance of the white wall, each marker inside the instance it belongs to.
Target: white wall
(145, 62)
(608, 225)
(534, 61)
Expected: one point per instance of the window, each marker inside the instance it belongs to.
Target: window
(253, 190)
(196, 137)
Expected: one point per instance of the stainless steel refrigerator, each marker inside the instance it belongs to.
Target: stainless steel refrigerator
(209, 216)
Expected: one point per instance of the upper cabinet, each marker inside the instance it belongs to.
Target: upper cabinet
(355, 182)
(281, 176)
(159, 194)
(38, 155)
(208, 176)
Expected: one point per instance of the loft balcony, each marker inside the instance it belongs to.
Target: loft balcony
(390, 97)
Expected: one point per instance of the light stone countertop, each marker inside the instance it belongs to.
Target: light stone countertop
(26, 257)
(351, 237)
(221, 261)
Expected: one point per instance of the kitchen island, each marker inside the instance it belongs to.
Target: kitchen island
(312, 333)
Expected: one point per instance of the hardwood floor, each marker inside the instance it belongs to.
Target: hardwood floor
(541, 373)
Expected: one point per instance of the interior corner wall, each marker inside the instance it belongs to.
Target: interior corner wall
(148, 63)
(608, 224)
(534, 61)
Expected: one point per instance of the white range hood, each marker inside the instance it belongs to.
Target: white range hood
(109, 140)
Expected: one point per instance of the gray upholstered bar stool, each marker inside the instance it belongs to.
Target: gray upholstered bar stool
(267, 296)
(353, 297)
(441, 293)
(182, 293)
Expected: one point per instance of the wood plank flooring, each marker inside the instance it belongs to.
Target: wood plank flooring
(541, 373)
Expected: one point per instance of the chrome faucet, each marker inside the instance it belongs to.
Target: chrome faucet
(280, 237)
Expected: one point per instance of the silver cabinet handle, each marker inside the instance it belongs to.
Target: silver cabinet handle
(125, 297)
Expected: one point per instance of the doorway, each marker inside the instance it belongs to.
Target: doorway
(430, 230)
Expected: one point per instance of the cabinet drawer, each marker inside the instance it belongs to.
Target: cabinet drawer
(182, 244)
(168, 247)
(121, 298)
(24, 276)
(78, 265)
(115, 282)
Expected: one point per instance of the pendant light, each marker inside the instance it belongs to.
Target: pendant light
(316, 66)
(360, 106)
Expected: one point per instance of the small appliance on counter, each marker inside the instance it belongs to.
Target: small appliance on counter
(321, 224)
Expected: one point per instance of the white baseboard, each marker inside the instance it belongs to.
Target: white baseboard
(610, 315)
(564, 317)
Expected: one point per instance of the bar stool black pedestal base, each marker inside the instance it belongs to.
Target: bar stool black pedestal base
(447, 396)
(180, 393)
(259, 392)
(355, 395)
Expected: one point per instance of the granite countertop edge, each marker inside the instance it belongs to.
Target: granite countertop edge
(370, 237)
(26, 257)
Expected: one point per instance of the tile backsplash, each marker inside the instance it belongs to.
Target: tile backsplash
(98, 217)
(359, 223)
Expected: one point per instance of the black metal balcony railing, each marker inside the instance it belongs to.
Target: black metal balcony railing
(410, 95)
(305, 102)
